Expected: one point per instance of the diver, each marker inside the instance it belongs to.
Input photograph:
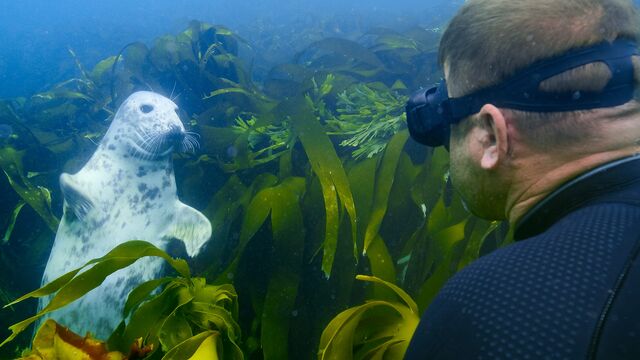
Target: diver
(538, 112)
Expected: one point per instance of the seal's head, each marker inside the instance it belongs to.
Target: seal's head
(148, 127)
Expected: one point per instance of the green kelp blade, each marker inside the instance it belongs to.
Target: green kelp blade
(326, 164)
(102, 69)
(256, 209)
(205, 314)
(339, 49)
(203, 346)
(209, 316)
(380, 352)
(282, 290)
(338, 338)
(225, 206)
(12, 221)
(382, 267)
(146, 321)
(175, 330)
(384, 181)
(282, 202)
(362, 180)
(336, 342)
(228, 91)
(396, 289)
(37, 197)
(72, 286)
(394, 337)
(481, 231)
(141, 293)
(73, 290)
(448, 239)
(61, 94)
(55, 285)
(256, 214)
(430, 182)
(224, 296)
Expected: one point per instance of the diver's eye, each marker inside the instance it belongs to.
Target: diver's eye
(146, 108)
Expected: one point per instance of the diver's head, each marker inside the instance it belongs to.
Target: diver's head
(531, 85)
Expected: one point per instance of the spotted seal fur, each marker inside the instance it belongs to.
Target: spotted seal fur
(126, 191)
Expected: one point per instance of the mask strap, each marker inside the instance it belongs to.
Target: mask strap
(521, 92)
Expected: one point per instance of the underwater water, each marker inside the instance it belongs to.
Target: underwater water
(297, 156)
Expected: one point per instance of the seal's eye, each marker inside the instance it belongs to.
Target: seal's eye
(146, 108)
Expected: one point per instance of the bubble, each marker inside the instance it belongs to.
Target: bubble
(232, 151)
(577, 95)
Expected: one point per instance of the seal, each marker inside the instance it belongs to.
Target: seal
(126, 191)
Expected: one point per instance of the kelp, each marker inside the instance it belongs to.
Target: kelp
(333, 179)
(12, 221)
(287, 259)
(384, 181)
(38, 197)
(308, 176)
(378, 329)
(165, 321)
(74, 284)
(368, 115)
(179, 315)
(340, 55)
(53, 341)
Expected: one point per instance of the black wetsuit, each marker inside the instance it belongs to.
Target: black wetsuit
(568, 288)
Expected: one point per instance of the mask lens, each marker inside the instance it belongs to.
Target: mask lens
(427, 116)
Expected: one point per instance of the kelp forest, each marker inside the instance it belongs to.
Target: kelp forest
(332, 230)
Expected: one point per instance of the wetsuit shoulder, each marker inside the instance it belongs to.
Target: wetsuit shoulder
(541, 297)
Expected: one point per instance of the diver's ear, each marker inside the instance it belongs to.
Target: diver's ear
(495, 138)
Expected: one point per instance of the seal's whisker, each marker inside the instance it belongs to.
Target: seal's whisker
(150, 142)
(157, 142)
(190, 142)
(194, 144)
(146, 143)
(172, 90)
(184, 145)
(141, 136)
(193, 136)
(192, 133)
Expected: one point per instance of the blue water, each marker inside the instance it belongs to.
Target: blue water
(35, 35)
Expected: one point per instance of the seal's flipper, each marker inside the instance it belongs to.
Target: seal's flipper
(75, 199)
(190, 226)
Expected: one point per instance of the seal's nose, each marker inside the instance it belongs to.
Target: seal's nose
(176, 135)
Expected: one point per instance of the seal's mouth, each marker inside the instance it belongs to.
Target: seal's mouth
(155, 145)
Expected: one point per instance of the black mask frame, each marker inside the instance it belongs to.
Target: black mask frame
(431, 113)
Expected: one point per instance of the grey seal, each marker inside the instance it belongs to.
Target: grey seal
(126, 191)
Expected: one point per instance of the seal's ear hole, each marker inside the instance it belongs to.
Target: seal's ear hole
(146, 108)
